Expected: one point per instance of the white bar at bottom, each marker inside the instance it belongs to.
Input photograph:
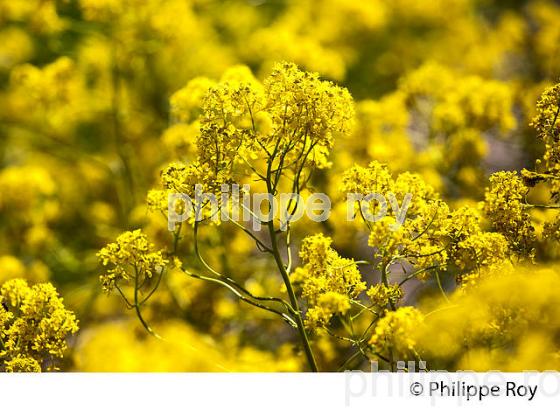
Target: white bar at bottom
(247, 391)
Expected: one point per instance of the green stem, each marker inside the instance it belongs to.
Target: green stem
(235, 291)
(137, 308)
(293, 300)
(282, 268)
(385, 280)
(441, 287)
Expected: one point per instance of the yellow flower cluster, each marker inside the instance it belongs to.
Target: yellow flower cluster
(49, 98)
(431, 236)
(397, 334)
(40, 16)
(292, 111)
(132, 255)
(546, 121)
(227, 120)
(547, 125)
(383, 296)
(507, 321)
(504, 207)
(376, 178)
(21, 364)
(454, 105)
(482, 249)
(325, 307)
(34, 325)
(31, 206)
(438, 118)
(381, 125)
(29, 197)
(327, 280)
(306, 111)
(186, 103)
(291, 118)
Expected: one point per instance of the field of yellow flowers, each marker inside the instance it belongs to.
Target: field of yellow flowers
(109, 108)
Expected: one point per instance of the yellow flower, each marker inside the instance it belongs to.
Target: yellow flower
(506, 319)
(396, 334)
(34, 325)
(504, 208)
(327, 280)
(21, 364)
(186, 103)
(328, 304)
(483, 249)
(131, 255)
(382, 295)
(373, 179)
(10, 268)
